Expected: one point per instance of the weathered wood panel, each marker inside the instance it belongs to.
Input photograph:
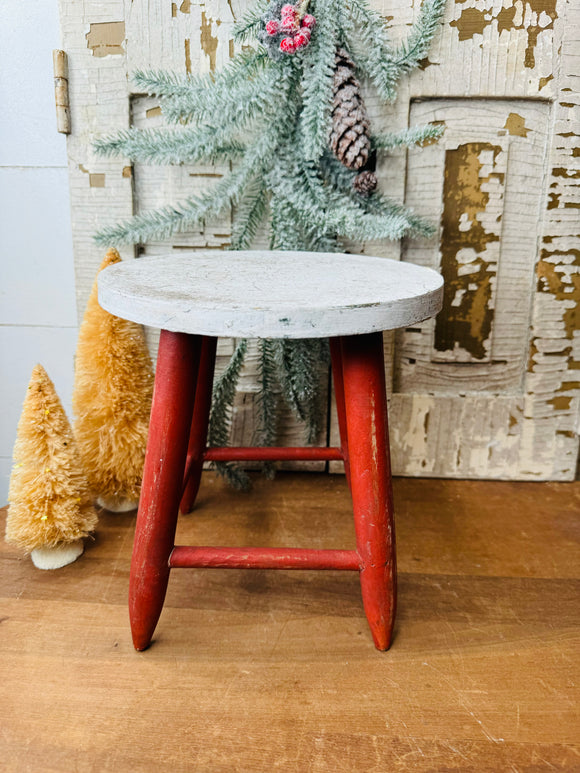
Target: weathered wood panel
(477, 183)
(497, 375)
(491, 388)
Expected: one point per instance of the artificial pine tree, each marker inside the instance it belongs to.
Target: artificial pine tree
(112, 395)
(50, 506)
(289, 114)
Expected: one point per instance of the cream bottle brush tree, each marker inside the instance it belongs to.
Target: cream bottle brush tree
(288, 113)
(50, 503)
(112, 394)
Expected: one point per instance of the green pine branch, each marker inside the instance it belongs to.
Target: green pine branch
(170, 146)
(249, 25)
(373, 48)
(228, 106)
(339, 178)
(267, 429)
(416, 135)
(383, 63)
(343, 211)
(301, 363)
(284, 234)
(416, 47)
(166, 84)
(162, 83)
(249, 214)
(411, 224)
(224, 394)
(317, 83)
(162, 223)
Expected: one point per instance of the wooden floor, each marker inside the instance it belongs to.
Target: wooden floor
(275, 671)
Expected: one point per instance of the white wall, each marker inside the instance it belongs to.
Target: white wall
(38, 320)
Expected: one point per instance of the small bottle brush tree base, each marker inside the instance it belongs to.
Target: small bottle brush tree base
(289, 115)
(50, 504)
(112, 395)
(116, 504)
(57, 557)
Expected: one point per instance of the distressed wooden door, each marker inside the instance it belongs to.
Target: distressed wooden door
(489, 389)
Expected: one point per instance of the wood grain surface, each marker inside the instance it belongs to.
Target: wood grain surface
(261, 671)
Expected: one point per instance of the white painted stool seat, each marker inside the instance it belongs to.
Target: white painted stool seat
(265, 294)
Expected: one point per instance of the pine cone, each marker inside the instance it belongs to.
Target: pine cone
(349, 136)
(365, 183)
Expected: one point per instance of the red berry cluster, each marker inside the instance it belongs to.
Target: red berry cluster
(296, 29)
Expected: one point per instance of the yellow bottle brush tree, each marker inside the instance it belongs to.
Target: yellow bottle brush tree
(50, 509)
(111, 401)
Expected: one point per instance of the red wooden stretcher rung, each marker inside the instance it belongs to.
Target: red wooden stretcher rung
(283, 454)
(185, 557)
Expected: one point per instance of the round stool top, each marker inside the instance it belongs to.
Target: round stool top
(270, 294)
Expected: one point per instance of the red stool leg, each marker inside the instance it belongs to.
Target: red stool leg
(199, 424)
(338, 381)
(370, 471)
(171, 413)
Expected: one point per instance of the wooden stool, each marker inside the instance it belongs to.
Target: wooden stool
(196, 297)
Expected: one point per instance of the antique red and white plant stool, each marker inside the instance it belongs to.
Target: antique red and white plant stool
(195, 298)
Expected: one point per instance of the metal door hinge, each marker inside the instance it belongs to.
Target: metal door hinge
(60, 66)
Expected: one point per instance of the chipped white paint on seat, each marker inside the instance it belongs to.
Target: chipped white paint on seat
(270, 294)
